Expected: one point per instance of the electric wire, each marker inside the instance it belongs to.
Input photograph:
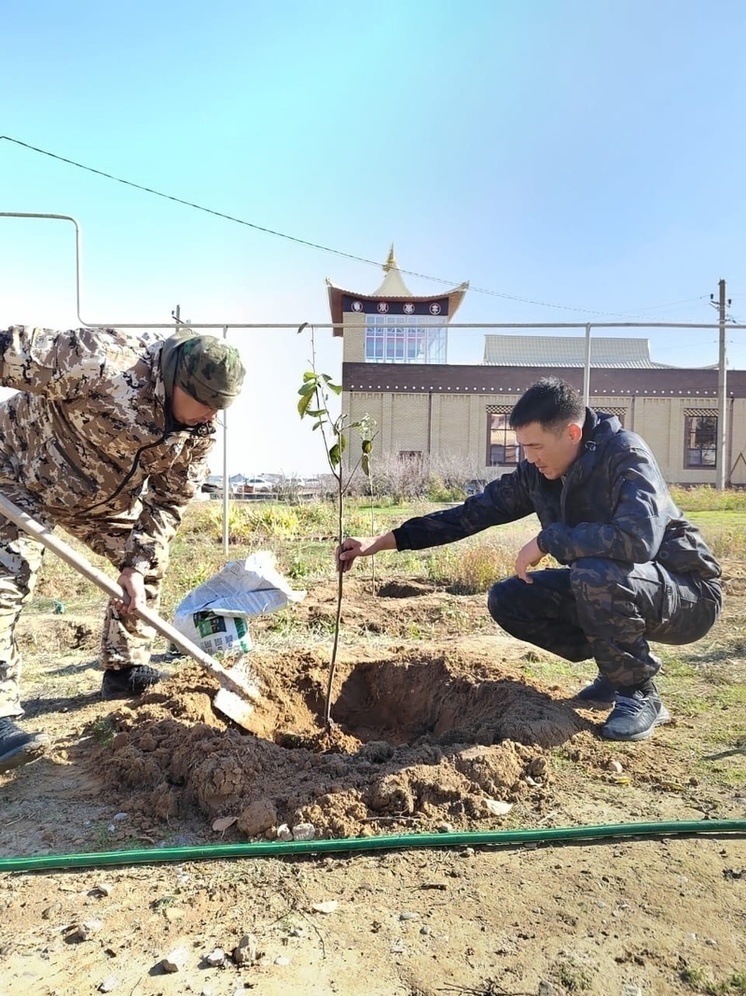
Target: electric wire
(319, 246)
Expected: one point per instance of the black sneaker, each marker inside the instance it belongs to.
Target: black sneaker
(599, 690)
(126, 682)
(635, 717)
(17, 747)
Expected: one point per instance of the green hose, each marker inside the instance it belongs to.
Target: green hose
(276, 848)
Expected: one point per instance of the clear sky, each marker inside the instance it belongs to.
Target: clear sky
(587, 154)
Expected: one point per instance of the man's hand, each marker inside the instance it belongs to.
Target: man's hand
(528, 556)
(350, 549)
(132, 584)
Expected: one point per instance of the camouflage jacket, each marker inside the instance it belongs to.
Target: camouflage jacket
(90, 412)
(613, 502)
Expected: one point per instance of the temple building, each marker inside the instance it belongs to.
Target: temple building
(395, 368)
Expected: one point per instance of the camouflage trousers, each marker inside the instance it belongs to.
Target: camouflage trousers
(125, 640)
(608, 610)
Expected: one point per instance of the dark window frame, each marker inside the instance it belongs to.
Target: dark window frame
(507, 446)
(700, 440)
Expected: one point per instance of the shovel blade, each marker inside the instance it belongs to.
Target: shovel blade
(240, 710)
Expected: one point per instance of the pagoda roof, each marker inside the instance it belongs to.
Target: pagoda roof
(392, 288)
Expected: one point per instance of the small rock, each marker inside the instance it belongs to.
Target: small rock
(175, 960)
(215, 958)
(631, 989)
(296, 932)
(326, 907)
(245, 952)
(711, 942)
(304, 831)
(118, 817)
(282, 961)
(84, 931)
(468, 852)
(284, 832)
(409, 916)
(445, 828)
(616, 767)
(425, 929)
(397, 947)
(104, 889)
(108, 985)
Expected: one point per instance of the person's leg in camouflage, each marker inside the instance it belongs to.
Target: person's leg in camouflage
(608, 610)
(125, 640)
(20, 561)
(621, 606)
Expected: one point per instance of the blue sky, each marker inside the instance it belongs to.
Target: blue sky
(582, 153)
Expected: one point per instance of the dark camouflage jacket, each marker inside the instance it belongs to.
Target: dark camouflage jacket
(612, 503)
(90, 407)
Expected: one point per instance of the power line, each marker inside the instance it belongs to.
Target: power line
(319, 246)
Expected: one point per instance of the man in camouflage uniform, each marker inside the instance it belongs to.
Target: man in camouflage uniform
(635, 571)
(107, 437)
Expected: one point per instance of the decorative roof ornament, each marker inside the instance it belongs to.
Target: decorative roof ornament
(393, 283)
(390, 263)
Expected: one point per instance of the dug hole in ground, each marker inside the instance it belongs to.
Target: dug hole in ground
(443, 723)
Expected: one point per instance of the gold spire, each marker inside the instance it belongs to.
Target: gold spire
(390, 263)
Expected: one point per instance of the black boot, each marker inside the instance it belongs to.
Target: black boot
(17, 747)
(126, 682)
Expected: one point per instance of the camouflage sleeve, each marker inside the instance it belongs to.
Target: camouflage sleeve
(503, 500)
(58, 364)
(167, 495)
(637, 519)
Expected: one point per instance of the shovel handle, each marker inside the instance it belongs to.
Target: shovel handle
(79, 563)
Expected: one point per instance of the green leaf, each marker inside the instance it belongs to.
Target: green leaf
(342, 444)
(303, 404)
(301, 327)
(367, 446)
(316, 413)
(365, 464)
(309, 375)
(308, 388)
(337, 388)
(335, 454)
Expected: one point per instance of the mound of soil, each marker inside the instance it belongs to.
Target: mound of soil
(420, 737)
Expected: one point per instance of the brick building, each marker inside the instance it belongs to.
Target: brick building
(395, 368)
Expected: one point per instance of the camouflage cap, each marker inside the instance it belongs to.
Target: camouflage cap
(210, 371)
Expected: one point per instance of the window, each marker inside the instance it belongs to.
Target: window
(502, 448)
(405, 339)
(621, 413)
(700, 437)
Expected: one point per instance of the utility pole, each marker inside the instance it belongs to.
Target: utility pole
(721, 452)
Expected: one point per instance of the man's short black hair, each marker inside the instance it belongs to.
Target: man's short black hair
(550, 402)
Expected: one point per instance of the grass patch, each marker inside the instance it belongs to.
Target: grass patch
(706, 498)
(700, 981)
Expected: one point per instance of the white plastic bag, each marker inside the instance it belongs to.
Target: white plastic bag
(214, 615)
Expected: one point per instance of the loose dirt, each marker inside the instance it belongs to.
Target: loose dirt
(441, 723)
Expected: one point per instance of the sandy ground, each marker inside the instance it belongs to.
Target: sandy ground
(443, 725)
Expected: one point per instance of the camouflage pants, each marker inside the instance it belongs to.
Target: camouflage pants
(607, 609)
(124, 641)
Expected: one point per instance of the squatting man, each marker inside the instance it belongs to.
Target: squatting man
(634, 570)
(107, 436)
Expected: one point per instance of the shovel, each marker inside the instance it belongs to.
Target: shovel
(237, 696)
